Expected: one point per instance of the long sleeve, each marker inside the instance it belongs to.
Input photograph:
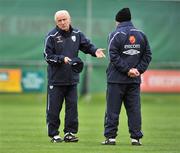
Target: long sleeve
(86, 46)
(115, 57)
(49, 52)
(145, 59)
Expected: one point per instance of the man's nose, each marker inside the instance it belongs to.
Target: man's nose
(62, 22)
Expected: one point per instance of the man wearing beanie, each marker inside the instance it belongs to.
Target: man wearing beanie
(130, 55)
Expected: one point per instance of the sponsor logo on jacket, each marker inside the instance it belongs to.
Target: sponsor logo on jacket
(59, 39)
(131, 52)
(132, 47)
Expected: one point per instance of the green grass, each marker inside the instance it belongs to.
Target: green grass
(23, 127)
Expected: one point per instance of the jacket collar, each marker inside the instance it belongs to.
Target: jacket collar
(124, 24)
(65, 33)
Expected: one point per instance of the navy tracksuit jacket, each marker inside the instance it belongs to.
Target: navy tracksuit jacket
(59, 44)
(128, 48)
(62, 81)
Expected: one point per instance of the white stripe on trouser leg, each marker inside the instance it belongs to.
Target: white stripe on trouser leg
(47, 112)
(48, 103)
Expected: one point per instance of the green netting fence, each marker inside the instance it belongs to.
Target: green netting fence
(24, 24)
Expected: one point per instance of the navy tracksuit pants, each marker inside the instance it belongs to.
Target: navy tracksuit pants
(56, 96)
(116, 95)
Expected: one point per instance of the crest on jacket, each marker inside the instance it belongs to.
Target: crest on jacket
(132, 39)
(73, 38)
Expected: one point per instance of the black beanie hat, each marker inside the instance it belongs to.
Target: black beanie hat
(123, 15)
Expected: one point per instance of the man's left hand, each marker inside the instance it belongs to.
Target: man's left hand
(99, 53)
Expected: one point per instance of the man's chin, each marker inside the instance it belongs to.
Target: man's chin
(65, 29)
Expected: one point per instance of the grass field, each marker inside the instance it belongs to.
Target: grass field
(23, 127)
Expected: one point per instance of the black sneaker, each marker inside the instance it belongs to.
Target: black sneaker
(56, 139)
(136, 142)
(109, 141)
(70, 137)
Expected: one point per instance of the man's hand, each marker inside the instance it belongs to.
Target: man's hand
(67, 60)
(133, 72)
(99, 53)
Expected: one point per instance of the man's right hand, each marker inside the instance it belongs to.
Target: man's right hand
(67, 60)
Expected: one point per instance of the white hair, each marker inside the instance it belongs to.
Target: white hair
(61, 12)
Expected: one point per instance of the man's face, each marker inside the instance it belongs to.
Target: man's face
(63, 21)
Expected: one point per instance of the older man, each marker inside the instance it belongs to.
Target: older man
(62, 45)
